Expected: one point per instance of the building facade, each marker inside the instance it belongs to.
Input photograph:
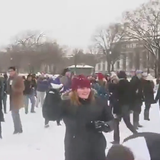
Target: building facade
(133, 56)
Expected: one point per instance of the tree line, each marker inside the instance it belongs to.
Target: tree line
(33, 49)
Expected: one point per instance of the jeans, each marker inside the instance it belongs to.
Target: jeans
(16, 120)
(4, 100)
(126, 118)
(40, 98)
(30, 97)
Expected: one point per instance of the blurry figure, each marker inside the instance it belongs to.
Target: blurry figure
(15, 88)
(1, 112)
(137, 97)
(29, 94)
(42, 87)
(122, 108)
(66, 78)
(101, 87)
(4, 97)
(148, 92)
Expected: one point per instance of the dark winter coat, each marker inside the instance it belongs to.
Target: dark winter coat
(124, 96)
(28, 87)
(136, 90)
(148, 91)
(82, 142)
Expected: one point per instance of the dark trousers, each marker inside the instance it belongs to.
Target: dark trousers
(136, 113)
(147, 106)
(146, 111)
(46, 121)
(4, 100)
(126, 118)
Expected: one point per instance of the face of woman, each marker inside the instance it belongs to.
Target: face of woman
(83, 92)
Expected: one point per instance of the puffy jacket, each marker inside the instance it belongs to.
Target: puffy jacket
(43, 85)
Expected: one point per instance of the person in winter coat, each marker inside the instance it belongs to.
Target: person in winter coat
(148, 92)
(65, 79)
(15, 88)
(57, 88)
(101, 87)
(42, 87)
(85, 117)
(113, 93)
(123, 94)
(137, 97)
(1, 112)
(29, 94)
(4, 98)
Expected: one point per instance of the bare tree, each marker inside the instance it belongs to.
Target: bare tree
(143, 25)
(106, 39)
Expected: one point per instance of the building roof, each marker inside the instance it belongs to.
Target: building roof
(80, 66)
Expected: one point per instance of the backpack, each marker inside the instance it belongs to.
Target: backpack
(51, 108)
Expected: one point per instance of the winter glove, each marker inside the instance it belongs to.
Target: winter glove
(100, 126)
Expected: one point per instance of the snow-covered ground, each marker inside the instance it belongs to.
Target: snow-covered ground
(39, 143)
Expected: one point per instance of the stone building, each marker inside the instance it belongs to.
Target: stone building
(133, 57)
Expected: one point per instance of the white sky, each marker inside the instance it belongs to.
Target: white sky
(71, 22)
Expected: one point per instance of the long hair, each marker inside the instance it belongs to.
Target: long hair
(75, 99)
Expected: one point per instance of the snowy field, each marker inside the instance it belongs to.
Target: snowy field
(39, 143)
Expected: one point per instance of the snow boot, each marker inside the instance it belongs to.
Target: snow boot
(46, 126)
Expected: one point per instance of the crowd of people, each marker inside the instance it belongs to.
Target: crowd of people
(88, 106)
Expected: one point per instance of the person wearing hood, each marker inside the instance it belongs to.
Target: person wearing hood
(148, 91)
(86, 117)
(123, 112)
(137, 97)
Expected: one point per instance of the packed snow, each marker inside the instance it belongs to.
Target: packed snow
(41, 143)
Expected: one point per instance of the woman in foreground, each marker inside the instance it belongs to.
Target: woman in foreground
(86, 117)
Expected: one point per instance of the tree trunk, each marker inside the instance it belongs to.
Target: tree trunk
(109, 67)
(155, 70)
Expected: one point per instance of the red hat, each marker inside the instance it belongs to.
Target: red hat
(80, 81)
(100, 76)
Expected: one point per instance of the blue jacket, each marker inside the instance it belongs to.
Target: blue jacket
(43, 85)
(101, 90)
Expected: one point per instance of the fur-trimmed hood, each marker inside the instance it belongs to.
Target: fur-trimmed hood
(66, 95)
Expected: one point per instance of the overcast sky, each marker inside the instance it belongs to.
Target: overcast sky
(71, 22)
